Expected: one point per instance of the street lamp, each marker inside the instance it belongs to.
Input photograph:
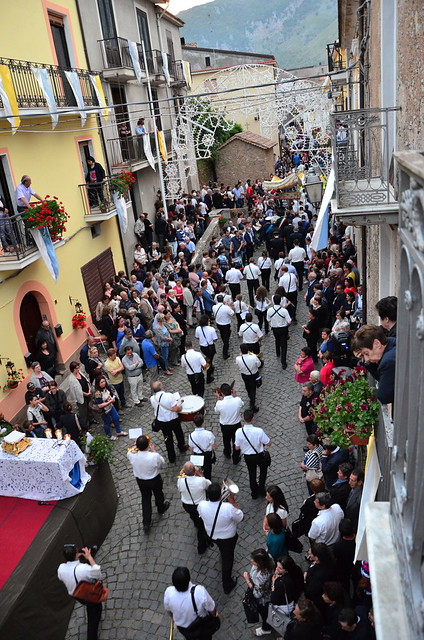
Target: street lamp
(313, 186)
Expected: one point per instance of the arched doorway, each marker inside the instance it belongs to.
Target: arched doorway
(30, 319)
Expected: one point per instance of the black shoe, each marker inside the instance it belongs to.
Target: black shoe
(262, 492)
(255, 409)
(209, 381)
(228, 455)
(201, 549)
(236, 460)
(165, 507)
(226, 356)
(183, 449)
(254, 496)
(285, 365)
(227, 591)
(146, 528)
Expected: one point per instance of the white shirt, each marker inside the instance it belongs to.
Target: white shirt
(229, 409)
(289, 282)
(181, 606)
(297, 254)
(278, 317)
(248, 364)
(251, 271)
(197, 486)
(167, 401)
(192, 361)
(241, 308)
(223, 313)
(226, 523)
(202, 437)
(325, 527)
(278, 263)
(261, 305)
(234, 276)
(250, 332)
(280, 511)
(264, 263)
(84, 572)
(145, 464)
(257, 437)
(206, 335)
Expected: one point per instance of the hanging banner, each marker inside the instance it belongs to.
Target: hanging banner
(8, 97)
(371, 484)
(162, 146)
(76, 88)
(97, 86)
(320, 237)
(165, 68)
(148, 152)
(45, 246)
(133, 50)
(187, 73)
(121, 208)
(42, 77)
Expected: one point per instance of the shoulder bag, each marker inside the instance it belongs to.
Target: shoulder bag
(211, 347)
(155, 425)
(212, 452)
(198, 377)
(90, 591)
(258, 377)
(266, 457)
(250, 606)
(292, 543)
(201, 627)
(277, 618)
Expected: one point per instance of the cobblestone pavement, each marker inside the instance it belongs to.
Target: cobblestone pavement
(138, 567)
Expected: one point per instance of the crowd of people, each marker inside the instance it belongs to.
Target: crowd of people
(173, 311)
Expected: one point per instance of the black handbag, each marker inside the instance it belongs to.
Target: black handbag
(266, 456)
(250, 606)
(155, 425)
(258, 378)
(299, 526)
(206, 626)
(292, 543)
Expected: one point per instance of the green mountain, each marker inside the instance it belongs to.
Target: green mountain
(294, 31)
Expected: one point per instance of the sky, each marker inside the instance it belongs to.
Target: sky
(180, 5)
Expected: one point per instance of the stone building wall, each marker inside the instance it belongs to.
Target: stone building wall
(240, 161)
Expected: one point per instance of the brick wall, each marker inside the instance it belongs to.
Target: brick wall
(240, 161)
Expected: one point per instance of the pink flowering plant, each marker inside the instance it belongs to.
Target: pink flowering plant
(346, 407)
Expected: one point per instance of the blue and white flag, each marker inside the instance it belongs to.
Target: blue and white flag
(165, 68)
(76, 88)
(45, 246)
(320, 237)
(42, 77)
(133, 51)
(121, 208)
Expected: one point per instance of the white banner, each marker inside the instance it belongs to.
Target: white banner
(48, 253)
(320, 237)
(371, 484)
(42, 77)
(76, 88)
(121, 208)
(148, 152)
(133, 50)
(95, 81)
(166, 68)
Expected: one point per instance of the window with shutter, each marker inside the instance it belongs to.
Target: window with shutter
(94, 274)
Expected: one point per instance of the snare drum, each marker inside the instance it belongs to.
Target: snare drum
(191, 406)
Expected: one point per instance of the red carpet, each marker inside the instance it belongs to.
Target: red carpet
(20, 521)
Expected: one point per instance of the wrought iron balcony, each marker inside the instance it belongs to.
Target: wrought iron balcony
(335, 58)
(29, 94)
(362, 147)
(18, 247)
(98, 200)
(129, 152)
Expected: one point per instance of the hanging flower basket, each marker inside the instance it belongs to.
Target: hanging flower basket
(122, 182)
(79, 321)
(14, 377)
(50, 214)
(358, 441)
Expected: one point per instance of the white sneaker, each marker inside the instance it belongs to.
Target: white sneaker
(261, 632)
(113, 438)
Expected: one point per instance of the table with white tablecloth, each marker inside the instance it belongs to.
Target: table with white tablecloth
(48, 469)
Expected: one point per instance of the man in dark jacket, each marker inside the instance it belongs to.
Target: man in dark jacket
(356, 483)
(332, 457)
(94, 177)
(378, 352)
(340, 489)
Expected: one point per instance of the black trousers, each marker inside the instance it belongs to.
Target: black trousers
(265, 277)
(262, 319)
(292, 297)
(253, 462)
(147, 487)
(252, 285)
(169, 429)
(209, 352)
(225, 331)
(250, 384)
(300, 267)
(226, 548)
(197, 383)
(280, 337)
(235, 289)
(202, 538)
(228, 437)
(94, 613)
(207, 464)
(254, 347)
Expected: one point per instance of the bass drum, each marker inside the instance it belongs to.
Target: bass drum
(191, 406)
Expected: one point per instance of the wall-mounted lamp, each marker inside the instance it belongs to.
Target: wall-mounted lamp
(78, 305)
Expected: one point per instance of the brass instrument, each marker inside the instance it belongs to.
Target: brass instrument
(228, 488)
(181, 474)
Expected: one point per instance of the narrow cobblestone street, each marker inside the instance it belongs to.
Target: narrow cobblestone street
(138, 567)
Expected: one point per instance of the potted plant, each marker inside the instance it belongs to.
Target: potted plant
(49, 214)
(222, 221)
(79, 320)
(14, 376)
(346, 410)
(99, 449)
(122, 182)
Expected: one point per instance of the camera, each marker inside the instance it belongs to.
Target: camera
(93, 550)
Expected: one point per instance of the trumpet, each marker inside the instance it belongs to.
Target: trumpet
(181, 474)
(228, 488)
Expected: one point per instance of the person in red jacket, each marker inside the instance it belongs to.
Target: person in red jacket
(325, 373)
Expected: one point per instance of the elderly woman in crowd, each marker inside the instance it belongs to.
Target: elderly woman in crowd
(40, 378)
(164, 341)
(79, 390)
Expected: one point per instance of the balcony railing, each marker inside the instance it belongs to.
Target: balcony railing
(129, 151)
(362, 146)
(115, 52)
(335, 58)
(98, 200)
(28, 91)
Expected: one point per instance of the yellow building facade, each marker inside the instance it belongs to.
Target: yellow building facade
(55, 159)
